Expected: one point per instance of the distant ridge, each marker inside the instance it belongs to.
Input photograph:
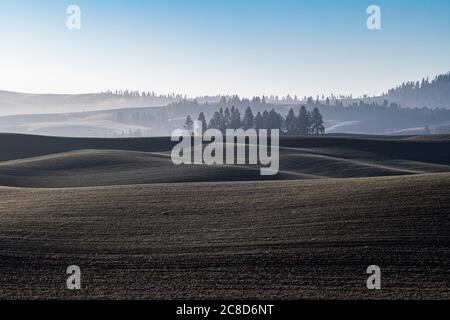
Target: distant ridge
(47, 162)
(433, 93)
(12, 103)
(424, 93)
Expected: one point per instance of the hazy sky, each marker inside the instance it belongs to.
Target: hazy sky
(200, 47)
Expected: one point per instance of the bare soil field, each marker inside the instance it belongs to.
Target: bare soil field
(142, 228)
(259, 240)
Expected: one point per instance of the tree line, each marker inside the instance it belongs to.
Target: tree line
(435, 93)
(303, 123)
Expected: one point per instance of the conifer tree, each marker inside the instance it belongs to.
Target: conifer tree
(249, 121)
(317, 126)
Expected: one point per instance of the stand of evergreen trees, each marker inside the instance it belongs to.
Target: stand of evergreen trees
(435, 93)
(304, 123)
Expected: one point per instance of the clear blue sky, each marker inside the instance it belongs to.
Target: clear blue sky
(196, 47)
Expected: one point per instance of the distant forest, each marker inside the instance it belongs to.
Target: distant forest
(419, 107)
(413, 108)
(304, 123)
(435, 93)
(413, 94)
(359, 117)
(134, 114)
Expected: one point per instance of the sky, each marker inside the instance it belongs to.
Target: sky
(200, 47)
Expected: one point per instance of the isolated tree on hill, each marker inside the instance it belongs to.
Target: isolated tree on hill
(304, 121)
(291, 123)
(248, 121)
(317, 122)
(202, 119)
(189, 124)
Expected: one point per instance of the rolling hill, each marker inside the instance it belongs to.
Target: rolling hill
(253, 240)
(141, 228)
(17, 103)
(33, 161)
